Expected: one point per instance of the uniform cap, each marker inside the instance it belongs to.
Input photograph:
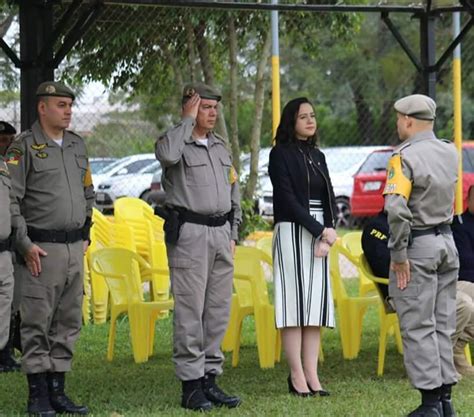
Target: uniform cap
(7, 129)
(418, 106)
(54, 89)
(204, 91)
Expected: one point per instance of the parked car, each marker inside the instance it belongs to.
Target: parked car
(343, 162)
(124, 166)
(367, 199)
(126, 185)
(98, 164)
(157, 195)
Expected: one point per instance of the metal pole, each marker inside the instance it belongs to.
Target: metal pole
(275, 71)
(428, 54)
(457, 92)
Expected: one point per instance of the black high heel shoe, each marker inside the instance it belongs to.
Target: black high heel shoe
(320, 392)
(292, 390)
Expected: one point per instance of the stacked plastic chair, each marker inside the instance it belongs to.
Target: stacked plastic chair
(86, 301)
(121, 270)
(251, 298)
(147, 231)
(388, 318)
(350, 310)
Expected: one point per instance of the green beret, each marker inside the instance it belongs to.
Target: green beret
(204, 91)
(7, 129)
(54, 89)
(418, 106)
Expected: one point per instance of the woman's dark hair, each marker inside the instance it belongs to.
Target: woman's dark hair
(286, 129)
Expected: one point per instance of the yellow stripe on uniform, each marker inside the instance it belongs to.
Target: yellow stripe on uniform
(397, 183)
(88, 177)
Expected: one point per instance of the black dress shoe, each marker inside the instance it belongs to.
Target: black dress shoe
(321, 392)
(427, 411)
(214, 394)
(292, 390)
(193, 397)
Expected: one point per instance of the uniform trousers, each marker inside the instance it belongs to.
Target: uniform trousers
(51, 309)
(6, 296)
(427, 310)
(201, 270)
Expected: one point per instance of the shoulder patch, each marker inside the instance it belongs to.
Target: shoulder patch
(4, 169)
(397, 183)
(233, 176)
(14, 154)
(87, 180)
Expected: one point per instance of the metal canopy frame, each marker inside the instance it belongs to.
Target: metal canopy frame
(38, 38)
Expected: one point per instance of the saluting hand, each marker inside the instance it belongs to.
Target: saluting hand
(329, 235)
(191, 107)
(33, 260)
(402, 271)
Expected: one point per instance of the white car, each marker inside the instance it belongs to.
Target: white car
(127, 185)
(123, 166)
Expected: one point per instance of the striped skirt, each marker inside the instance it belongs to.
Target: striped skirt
(303, 295)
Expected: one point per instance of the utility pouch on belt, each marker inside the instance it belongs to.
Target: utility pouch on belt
(172, 224)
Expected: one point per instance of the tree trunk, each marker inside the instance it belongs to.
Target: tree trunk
(208, 71)
(365, 120)
(259, 96)
(190, 47)
(233, 100)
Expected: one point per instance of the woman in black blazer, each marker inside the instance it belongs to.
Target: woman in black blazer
(304, 211)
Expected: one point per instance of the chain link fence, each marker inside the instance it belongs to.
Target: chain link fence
(131, 66)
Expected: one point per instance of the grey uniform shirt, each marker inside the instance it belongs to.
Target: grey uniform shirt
(5, 185)
(51, 184)
(197, 177)
(431, 165)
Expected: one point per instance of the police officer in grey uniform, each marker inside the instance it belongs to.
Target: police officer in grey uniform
(8, 319)
(6, 267)
(419, 199)
(52, 197)
(203, 207)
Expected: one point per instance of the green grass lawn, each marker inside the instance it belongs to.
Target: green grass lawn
(123, 388)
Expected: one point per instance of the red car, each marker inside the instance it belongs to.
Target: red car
(369, 181)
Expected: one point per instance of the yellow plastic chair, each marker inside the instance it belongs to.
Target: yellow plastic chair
(86, 301)
(265, 244)
(259, 234)
(467, 352)
(353, 242)
(251, 298)
(121, 270)
(350, 310)
(388, 319)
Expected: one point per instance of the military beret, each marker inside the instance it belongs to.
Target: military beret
(7, 129)
(54, 89)
(204, 91)
(418, 106)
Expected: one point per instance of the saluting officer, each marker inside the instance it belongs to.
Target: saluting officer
(52, 197)
(203, 202)
(419, 199)
(6, 268)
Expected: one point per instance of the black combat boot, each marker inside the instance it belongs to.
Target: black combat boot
(59, 400)
(214, 394)
(38, 399)
(193, 397)
(430, 404)
(7, 355)
(446, 402)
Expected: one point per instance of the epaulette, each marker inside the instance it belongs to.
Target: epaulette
(22, 135)
(74, 133)
(446, 140)
(400, 148)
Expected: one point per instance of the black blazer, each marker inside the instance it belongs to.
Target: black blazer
(287, 169)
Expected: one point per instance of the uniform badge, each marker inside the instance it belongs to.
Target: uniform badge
(13, 156)
(190, 92)
(39, 147)
(50, 89)
(233, 175)
(42, 155)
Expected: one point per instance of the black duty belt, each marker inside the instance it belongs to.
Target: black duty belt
(54, 236)
(186, 216)
(5, 245)
(437, 230)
